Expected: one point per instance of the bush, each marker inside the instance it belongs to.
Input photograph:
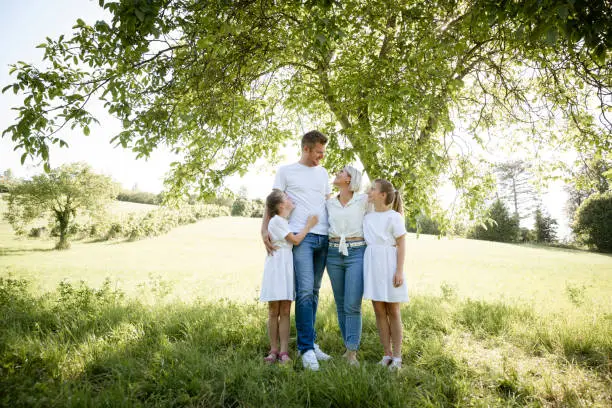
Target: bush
(505, 228)
(545, 227)
(593, 221)
(527, 235)
(241, 208)
(139, 197)
(424, 225)
(257, 208)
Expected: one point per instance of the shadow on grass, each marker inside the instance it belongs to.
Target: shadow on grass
(22, 251)
(569, 250)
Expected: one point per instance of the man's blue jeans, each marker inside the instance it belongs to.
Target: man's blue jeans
(346, 276)
(308, 265)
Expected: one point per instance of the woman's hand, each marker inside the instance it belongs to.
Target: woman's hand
(398, 279)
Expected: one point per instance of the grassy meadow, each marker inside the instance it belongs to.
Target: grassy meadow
(174, 321)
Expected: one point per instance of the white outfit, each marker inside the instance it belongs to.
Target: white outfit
(346, 221)
(277, 282)
(308, 188)
(380, 230)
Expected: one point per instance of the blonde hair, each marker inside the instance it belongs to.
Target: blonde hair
(393, 197)
(355, 176)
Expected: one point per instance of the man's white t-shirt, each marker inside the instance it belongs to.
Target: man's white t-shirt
(308, 188)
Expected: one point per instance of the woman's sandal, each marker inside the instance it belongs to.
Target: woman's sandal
(283, 358)
(271, 357)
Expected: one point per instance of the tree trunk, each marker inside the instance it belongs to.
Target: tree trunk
(63, 219)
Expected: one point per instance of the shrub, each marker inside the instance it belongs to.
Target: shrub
(527, 235)
(545, 227)
(505, 227)
(257, 208)
(241, 208)
(593, 221)
(37, 232)
(424, 225)
(140, 197)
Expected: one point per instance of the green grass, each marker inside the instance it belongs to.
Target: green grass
(173, 321)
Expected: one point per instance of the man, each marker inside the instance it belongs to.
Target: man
(307, 185)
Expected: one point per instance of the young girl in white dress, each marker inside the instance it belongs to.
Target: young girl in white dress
(277, 285)
(383, 267)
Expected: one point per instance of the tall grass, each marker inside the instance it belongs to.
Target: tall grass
(83, 346)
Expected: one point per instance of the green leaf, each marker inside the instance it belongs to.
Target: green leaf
(23, 157)
(86, 130)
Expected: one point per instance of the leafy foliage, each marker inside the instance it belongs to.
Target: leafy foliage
(544, 227)
(593, 222)
(60, 195)
(502, 227)
(243, 207)
(223, 83)
(592, 175)
(140, 197)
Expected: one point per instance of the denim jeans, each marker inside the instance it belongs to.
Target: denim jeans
(308, 264)
(346, 276)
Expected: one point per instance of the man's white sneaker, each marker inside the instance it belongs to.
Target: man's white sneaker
(309, 360)
(321, 356)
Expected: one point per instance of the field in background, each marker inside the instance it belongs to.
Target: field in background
(223, 257)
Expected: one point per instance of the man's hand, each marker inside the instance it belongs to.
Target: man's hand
(267, 241)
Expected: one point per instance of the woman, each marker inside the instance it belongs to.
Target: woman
(345, 255)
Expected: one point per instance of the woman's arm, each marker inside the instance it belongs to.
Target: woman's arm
(398, 277)
(296, 239)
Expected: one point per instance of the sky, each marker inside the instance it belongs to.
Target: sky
(26, 23)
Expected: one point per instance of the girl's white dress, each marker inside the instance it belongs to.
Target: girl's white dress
(380, 229)
(277, 283)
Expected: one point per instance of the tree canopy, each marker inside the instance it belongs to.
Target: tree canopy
(224, 82)
(60, 195)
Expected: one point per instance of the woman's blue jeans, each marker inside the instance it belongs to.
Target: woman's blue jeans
(346, 276)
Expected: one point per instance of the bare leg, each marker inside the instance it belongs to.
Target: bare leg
(273, 313)
(284, 324)
(395, 324)
(382, 323)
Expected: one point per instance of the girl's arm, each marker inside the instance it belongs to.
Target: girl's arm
(398, 277)
(296, 239)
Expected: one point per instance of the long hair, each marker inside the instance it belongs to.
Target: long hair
(273, 200)
(393, 197)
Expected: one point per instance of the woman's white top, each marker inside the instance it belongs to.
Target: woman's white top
(346, 220)
(277, 282)
(380, 230)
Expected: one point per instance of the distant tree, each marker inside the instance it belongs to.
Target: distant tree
(515, 187)
(545, 227)
(6, 180)
(591, 177)
(503, 228)
(61, 195)
(593, 221)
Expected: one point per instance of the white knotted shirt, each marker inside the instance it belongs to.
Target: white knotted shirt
(346, 221)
